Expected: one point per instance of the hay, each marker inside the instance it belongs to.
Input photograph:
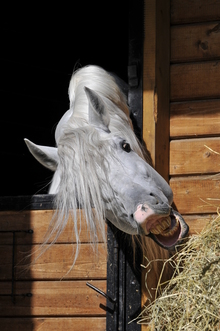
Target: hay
(191, 299)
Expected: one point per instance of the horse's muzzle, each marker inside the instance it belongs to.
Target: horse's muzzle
(166, 230)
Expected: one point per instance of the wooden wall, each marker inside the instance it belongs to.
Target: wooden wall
(195, 109)
(181, 103)
(60, 299)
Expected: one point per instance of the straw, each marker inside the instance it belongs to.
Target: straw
(191, 299)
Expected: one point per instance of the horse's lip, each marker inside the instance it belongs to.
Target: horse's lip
(181, 231)
(148, 216)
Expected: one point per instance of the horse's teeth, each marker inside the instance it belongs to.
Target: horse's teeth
(162, 226)
(172, 231)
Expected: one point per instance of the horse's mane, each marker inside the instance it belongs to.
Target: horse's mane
(83, 156)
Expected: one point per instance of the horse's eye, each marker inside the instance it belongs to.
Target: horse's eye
(126, 147)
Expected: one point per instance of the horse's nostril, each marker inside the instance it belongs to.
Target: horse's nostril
(157, 199)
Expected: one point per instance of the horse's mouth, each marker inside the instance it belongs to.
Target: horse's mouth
(167, 231)
(172, 235)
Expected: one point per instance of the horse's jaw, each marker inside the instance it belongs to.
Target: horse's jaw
(166, 230)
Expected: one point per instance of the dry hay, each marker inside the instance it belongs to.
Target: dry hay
(191, 299)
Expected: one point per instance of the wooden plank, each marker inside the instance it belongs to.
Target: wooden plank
(193, 156)
(195, 118)
(190, 81)
(156, 83)
(189, 11)
(38, 221)
(149, 77)
(198, 222)
(195, 42)
(156, 75)
(55, 263)
(196, 194)
(57, 298)
(53, 324)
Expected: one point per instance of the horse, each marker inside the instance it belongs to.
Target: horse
(100, 167)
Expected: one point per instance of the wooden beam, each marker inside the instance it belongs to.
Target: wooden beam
(156, 60)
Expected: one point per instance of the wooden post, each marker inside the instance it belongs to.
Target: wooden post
(156, 98)
(156, 66)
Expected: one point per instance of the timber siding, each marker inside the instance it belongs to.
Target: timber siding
(60, 299)
(195, 109)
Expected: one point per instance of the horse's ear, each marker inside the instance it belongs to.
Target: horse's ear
(47, 156)
(98, 115)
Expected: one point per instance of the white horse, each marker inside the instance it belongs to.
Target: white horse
(99, 166)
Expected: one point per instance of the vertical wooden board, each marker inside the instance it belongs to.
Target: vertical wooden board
(194, 156)
(156, 95)
(196, 194)
(162, 116)
(57, 298)
(53, 324)
(198, 81)
(156, 83)
(149, 77)
(189, 11)
(195, 118)
(195, 42)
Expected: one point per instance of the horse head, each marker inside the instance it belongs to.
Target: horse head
(100, 167)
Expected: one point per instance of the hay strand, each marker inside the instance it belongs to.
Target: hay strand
(191, 299)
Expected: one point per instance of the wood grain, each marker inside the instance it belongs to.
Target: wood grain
(198, 222)
(58, 298)
(191, 156)
(195, 118)
(191, 81)
(195, 42)
(156, 83)
(189, 11)
(196, 194)
(55, 263)
(38, 221)
(54, 324)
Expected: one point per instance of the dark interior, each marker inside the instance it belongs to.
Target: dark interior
(40, 48)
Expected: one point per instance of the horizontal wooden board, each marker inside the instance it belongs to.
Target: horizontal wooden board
(54, 263)
(195, 118)
(191, 81)
(194, 156)
(195, 42)
(189, 11)
(198, 222)
(57, 298)
(38, 221)
(196, 194)
(53, 324)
